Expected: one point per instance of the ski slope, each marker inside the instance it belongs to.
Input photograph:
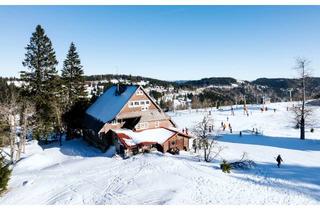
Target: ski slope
(79, 174)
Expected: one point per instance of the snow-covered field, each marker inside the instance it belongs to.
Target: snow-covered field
(79, 174)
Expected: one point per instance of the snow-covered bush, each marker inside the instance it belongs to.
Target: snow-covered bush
(243, 163)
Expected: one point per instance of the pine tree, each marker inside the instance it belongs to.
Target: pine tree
(41, 78)
(74, 91)
(72, 76)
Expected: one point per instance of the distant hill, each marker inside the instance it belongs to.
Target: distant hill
(218, 81)
(276, 82)
(131, 78)
(277, 85)
(285, 82)
(275, 88)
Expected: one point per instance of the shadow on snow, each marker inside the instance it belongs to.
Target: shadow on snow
(301, 179)
(280, 142)
(79, 147)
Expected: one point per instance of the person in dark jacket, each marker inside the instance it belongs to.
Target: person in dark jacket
(279, 160)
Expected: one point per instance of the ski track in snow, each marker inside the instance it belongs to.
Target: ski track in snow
(79, 174)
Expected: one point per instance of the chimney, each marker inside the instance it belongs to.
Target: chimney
(118, 88)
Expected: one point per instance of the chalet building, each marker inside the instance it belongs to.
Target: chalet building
(127, 117)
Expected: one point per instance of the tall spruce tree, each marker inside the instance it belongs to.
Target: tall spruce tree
(72, 76)
(75, 101)
(41, 78)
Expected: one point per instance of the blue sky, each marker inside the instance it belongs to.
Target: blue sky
(169, 42)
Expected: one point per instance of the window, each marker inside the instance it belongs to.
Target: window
(144, 108)
(143, 125)
(114, 122)
(139, 92)
(139, 103)
(157, 124)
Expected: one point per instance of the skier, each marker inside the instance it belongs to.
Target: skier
(279, 160)
(240, 133)
(230, 128)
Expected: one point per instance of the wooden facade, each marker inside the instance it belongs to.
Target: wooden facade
(142, 106)
(176, 142)
(138, 112)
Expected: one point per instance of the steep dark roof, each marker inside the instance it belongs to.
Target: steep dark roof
(110, 103)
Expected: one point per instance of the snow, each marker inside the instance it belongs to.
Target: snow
(157, 135)
(80, 174)
(108, 105)
(270, 123)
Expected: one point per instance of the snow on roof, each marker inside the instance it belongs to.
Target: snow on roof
(157, 135)
(109, 104)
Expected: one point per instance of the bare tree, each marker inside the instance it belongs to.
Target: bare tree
(9, 111)
(301, 113)
(27, 110)
(205, 139)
